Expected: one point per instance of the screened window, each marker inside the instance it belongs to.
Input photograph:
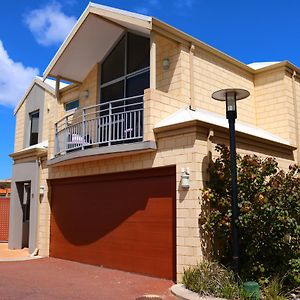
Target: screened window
(113, 66)
(138, 53)
(34, 128)
(72, 105)
(125, 71)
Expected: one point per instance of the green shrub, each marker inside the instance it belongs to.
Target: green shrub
(211, 279)
(269, 221)
(294, 271)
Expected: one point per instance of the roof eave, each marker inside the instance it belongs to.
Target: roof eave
(190, 39)
(192, 123)
(39, 82)
(93, 8)
(66, 42)
(34, 152)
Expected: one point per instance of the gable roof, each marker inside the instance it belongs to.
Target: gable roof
(99, 27)
(47, 84)
(95, 32)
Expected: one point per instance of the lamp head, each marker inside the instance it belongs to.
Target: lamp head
(230, 96)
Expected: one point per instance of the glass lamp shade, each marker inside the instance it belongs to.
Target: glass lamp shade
(230, 101)
(230, 96)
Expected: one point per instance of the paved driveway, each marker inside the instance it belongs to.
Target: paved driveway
(50, 278)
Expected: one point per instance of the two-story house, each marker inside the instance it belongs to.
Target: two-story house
(111, 192)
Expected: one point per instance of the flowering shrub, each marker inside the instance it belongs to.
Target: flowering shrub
(269, 220)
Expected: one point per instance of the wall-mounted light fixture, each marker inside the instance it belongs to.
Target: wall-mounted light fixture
(42, 190)
(84, 94)
(185, 178)
(166, 64)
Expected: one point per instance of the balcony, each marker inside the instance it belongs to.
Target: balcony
(112, 123)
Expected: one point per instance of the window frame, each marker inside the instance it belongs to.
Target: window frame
(71, 101)
(31, 114)
(126, 75)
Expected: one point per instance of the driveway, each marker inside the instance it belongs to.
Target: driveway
(51, 278)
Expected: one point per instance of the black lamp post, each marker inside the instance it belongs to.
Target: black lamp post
(231, 96)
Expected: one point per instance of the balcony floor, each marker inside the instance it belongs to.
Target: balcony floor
(97, 153)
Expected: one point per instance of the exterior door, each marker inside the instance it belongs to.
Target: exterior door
(26, 214)
(4, 219)
(124, 221)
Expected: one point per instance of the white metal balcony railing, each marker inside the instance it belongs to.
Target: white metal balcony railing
(115, 122)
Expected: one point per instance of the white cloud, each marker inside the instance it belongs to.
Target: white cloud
(49, 24)
(15, 78)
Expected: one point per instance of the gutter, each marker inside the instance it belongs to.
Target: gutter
(296, 114)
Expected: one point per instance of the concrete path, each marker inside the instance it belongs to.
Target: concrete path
(50, 278)
(7, 254)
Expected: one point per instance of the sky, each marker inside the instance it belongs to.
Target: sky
(31, 31)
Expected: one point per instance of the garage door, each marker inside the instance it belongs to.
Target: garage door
(124, 221)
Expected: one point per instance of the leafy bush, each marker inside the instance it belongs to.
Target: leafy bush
(211, 279)
(294, 271)
(269, 221)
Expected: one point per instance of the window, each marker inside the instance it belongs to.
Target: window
(72, 105)
(125, 72)
(34, 127)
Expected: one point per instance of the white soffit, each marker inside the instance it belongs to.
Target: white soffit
(127, 19)
(205, 116)
(93, 35)
(88, 46)
(260, 65)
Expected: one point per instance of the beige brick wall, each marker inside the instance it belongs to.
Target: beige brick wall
(170, 81)
(272, 113)
(212, 74)
(44, 213)
(157, 106)
(49, 103)
(19, 131)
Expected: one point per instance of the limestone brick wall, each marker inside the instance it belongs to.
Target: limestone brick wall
(174, 79)
(297, 112)
(69, 94)
(157, 106)
(212, 74)
(19, 131)
(273, 103)
(50, 102)
(44, 213)
(291, 109)
(89, 84)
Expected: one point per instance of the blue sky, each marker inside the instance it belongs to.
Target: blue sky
(31, 31)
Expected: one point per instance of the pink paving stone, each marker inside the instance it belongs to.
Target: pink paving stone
(51, 278)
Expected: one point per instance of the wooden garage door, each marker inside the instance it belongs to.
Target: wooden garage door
(124, 221)
(4, 219)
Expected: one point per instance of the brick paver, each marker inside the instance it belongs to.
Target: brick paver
(50, 278)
